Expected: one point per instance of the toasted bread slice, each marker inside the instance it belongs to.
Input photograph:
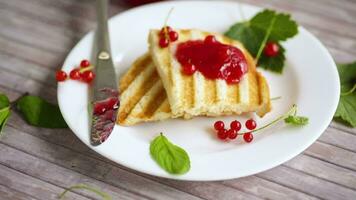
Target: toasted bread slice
(195, 95)
(142, 95)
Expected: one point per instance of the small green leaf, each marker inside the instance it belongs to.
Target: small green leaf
(170, 157)
(274, 64)
(4, 116)
(346, 109)
(284, 27)
(38, 112)
(296, 120)
(4, 111)
(4, 101)
(104, 195)
(247, 35)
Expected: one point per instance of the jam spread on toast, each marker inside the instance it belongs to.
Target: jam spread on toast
(213, 59)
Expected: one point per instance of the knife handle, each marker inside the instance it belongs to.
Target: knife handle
(102, 33)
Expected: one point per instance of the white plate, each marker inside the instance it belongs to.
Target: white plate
(310, 80)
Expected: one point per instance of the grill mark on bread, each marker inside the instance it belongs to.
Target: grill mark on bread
(137, 67)
(145, 87)
(154, 104)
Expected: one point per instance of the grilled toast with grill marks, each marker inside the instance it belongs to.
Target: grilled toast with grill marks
(195, 95)
(142, 95)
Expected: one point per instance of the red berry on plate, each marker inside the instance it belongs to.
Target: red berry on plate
(250, 124)
(271, 49)
(232, 134)
(235, 125)
(219, 125)
(210, 39)
(189, 69)
(88, 76)
(99, 108)
(163, 42)
(222, 134)
(248, 137)
(84, 63)
(61, 76)
(75, 74)
(173, 36)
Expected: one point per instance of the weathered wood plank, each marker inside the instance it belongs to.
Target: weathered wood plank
(32, 186)
(28, 70)
(339, 138)
(266, 189)
(21, 84)
(324, 170)
(7, 193)
(56, 175)
(309, 184)
(333, 154)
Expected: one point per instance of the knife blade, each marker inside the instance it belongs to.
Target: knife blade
(105, 102)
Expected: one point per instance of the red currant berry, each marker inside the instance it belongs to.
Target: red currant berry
(210, 39)
(61, 76)
(232, 134)
(165, 30)
(99, 108)
(189, 69)
(112, 103)
(248, 137)
(222, 134)
(271, 49)
(88, 76)
(235, 125)
(74, 74)
(84, 63)
(250, 124)
(163, 42)
(219, 125)
(173, 36)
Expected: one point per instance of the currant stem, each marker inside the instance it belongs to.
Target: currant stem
(276, 98)
(166, 22)
(292, 111)
(86, 69)
(349, 92)
(104, 195)
(269, 30)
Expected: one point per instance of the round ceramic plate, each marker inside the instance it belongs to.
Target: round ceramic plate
(310, 80)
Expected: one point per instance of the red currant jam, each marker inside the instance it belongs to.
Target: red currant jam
(213, 59)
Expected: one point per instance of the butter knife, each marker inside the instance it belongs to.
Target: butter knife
(105, 100)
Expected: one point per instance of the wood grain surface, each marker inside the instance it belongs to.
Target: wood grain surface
(36, 163)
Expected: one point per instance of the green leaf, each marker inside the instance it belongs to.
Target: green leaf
(249, 36)
(170, 157)
(104, 195)
(38, 112)
(4, 111)
(296, 120)
(274, 64)
(4, 116)
(4, 101)
(346, 109)
(284, 27)
(252, 34)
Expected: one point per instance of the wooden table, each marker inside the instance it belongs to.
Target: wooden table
(36, 163)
